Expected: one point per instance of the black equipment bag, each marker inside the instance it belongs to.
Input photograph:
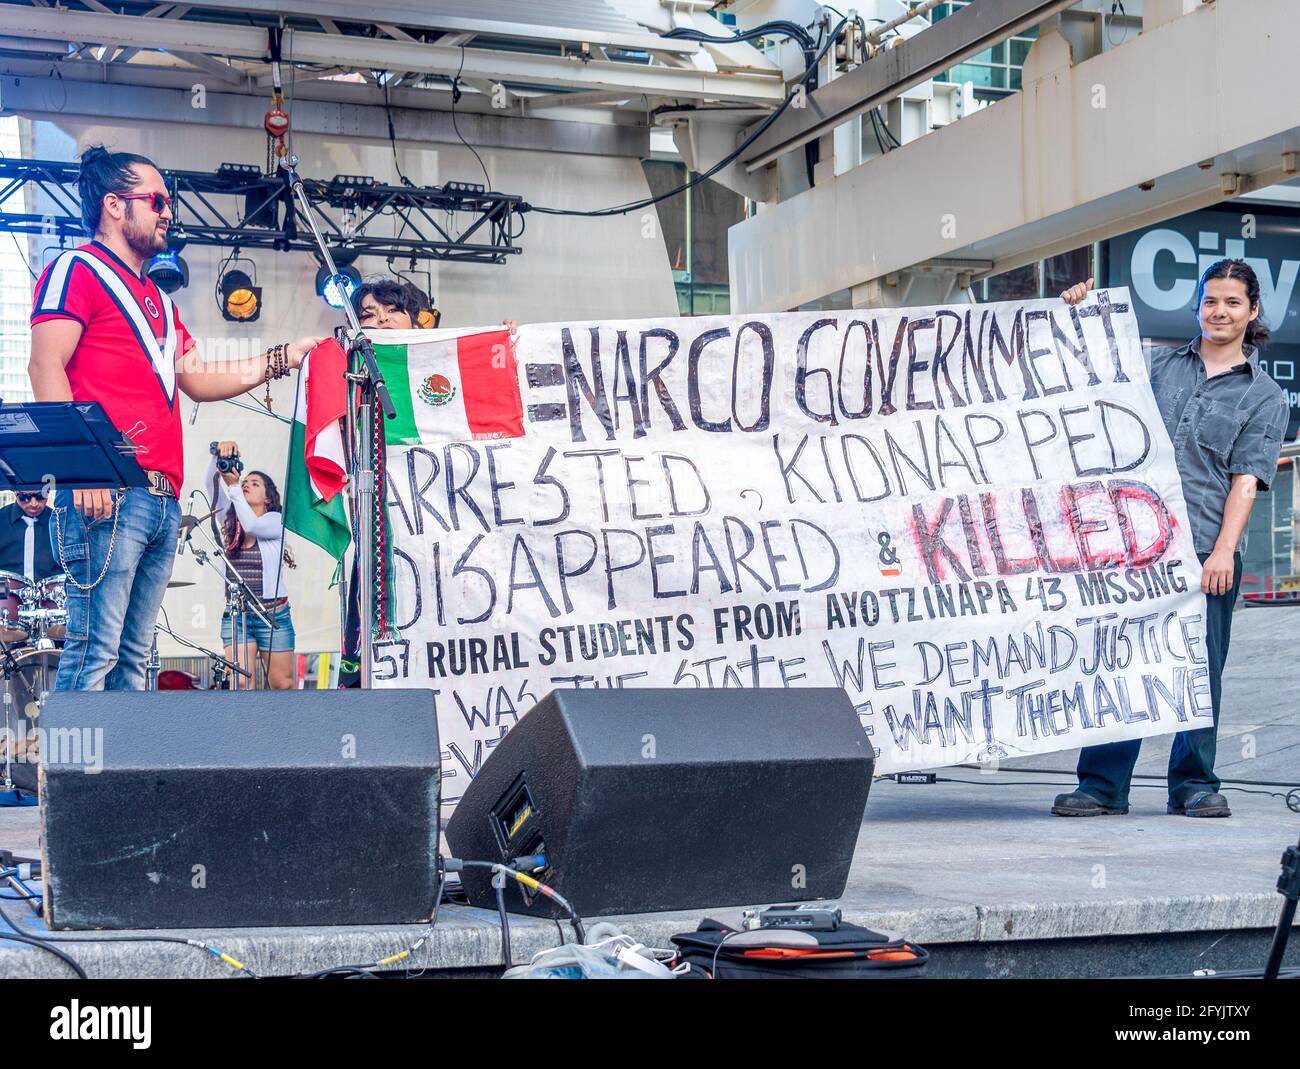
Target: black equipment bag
(849, 952)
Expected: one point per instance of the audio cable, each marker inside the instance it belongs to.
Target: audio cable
(45, 941)
(797, 92)
(392, 959)
(533, 861)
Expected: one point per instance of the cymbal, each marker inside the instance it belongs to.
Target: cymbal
(174, 583)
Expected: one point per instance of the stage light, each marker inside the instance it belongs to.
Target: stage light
(345, 190)
(168, 271)
(241, 300)
(240, 170)
(177, 237)
(337, 289)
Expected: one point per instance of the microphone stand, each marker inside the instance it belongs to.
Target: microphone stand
(220, 665)
(363, 371)
(8, 669)
(256, 408)
(245, 406)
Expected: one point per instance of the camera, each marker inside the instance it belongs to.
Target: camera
(225, 464)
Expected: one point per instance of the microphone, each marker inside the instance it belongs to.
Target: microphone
(188, 523)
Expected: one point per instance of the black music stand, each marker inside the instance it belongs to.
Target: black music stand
(71, 444)
(67, 444)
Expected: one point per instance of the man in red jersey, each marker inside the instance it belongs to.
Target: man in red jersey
(102, 331)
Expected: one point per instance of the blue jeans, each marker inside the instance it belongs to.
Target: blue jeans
(1105, 772)
(110, 627)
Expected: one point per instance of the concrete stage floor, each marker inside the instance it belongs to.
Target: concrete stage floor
(978, 871)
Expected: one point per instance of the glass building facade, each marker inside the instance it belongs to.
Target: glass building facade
(993, 69)
(15, 285)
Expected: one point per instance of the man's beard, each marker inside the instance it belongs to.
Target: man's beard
(145, 243)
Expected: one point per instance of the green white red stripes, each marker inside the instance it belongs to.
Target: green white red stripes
(460, 389)
(313, 506)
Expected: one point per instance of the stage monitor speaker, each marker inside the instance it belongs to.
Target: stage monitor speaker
(660, 799)
(199, 809)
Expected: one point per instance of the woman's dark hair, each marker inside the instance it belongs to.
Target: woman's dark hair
(1257, 331)
(392, 293)
(232, 531)
(104, 172)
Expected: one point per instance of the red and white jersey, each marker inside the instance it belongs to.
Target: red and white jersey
(126, 357)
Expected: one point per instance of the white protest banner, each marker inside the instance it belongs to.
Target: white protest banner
(968, 517)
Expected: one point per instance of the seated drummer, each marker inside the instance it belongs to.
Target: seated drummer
(25, 537)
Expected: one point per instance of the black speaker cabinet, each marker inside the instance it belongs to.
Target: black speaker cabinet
(659, 799)
(192, 809)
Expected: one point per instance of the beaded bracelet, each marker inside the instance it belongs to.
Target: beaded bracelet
(277, 367)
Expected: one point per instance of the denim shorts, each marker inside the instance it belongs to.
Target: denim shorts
(278, 641)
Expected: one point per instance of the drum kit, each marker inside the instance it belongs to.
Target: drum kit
(33, 624)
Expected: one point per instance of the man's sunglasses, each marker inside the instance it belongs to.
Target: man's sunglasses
(157, 201)
(27, 499)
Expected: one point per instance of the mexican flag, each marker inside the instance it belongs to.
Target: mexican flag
(453, 390)
(313, 505)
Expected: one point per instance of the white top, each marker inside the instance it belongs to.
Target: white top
(29, 549)
(267, 529)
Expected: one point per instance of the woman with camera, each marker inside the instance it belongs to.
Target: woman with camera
(252, 531)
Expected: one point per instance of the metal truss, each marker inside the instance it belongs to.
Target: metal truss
(239, 206)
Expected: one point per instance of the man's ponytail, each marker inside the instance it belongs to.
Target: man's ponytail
(104, 172)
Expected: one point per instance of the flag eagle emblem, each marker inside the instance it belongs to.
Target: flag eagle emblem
(437, 390)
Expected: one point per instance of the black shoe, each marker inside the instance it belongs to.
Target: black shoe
(1203, 804)
(1078, 804)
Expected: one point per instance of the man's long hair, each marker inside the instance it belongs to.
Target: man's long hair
(1257, 331)
(103, 172)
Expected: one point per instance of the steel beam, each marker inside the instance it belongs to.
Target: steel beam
(215, 67)
(422, 15)
(26, 89)
(364, 53)
(893, 71)
(1195, 111)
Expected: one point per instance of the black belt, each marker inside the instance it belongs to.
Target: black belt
(159, 484)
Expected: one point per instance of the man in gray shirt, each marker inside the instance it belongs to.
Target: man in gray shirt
(1226, 419)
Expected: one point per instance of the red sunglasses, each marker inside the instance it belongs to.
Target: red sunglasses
(157, 201)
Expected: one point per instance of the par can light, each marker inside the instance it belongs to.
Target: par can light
(241, 301)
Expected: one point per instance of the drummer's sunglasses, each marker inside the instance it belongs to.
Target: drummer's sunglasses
(28, 498)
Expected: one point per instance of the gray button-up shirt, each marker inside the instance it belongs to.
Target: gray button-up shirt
(1223, 426)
